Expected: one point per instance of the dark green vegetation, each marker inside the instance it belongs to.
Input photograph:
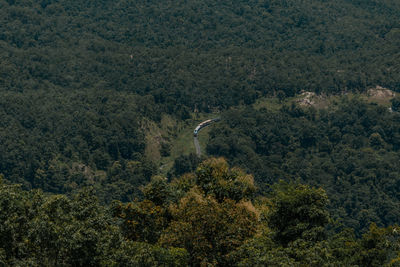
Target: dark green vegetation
(199, 53)
(78, 78)
(73, 140)
(351, 149)
(85, 90)
(207, 218)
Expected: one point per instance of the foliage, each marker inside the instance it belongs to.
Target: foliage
(146, 255)
(61, 142)
(349, 148)
(41, 230)
(77, 80)
(200, 53)
(290, 227)
(215, 178)
(185, 227)
(395, 103)
(297, 212)
(143, 221)
(208, 214)
(378, 244)
(185, 164)
(209, 229)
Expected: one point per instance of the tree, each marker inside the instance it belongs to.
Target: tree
(141, 221)
(186, 163)
(209, 213)
(379, 245)
(376, 141)
(209, 229)
(281, 96)
(215, 178)
(395, 103)
(297, 212)
(146, 255)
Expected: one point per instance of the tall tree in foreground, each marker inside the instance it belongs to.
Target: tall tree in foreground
(208, 213)
(298, 211)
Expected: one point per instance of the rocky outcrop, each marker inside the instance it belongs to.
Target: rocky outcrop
(380, 92)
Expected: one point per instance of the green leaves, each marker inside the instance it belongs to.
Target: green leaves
(209, 230)
(297, 212)
(349, 147)
(215, 178)
(208, 214)
(185, 225)
(41, 230)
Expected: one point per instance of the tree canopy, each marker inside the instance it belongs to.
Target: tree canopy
(349, 148)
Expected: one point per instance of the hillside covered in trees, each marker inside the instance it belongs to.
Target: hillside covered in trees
(351, 149)
(77, 79)
(88, 88)
(199, 53)
(207, 218)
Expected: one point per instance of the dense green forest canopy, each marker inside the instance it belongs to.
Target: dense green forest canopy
(77, 78)
(81, 80)
(207, 218)
(351, 149)
(200, 53)
(60, 142)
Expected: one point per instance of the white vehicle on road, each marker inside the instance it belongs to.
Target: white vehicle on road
(196, 131)
(204, 124)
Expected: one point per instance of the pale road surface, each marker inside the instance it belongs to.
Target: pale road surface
(197, 146)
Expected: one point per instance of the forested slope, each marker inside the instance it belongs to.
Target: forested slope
(77, 79)
(60, 141)
(209, 217)
(80, 79)
(350, 148)
(200, 52)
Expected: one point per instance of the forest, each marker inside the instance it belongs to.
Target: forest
(105, 68)
(94, 95)
(199, 54)
(351, 149)
(211, 217)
